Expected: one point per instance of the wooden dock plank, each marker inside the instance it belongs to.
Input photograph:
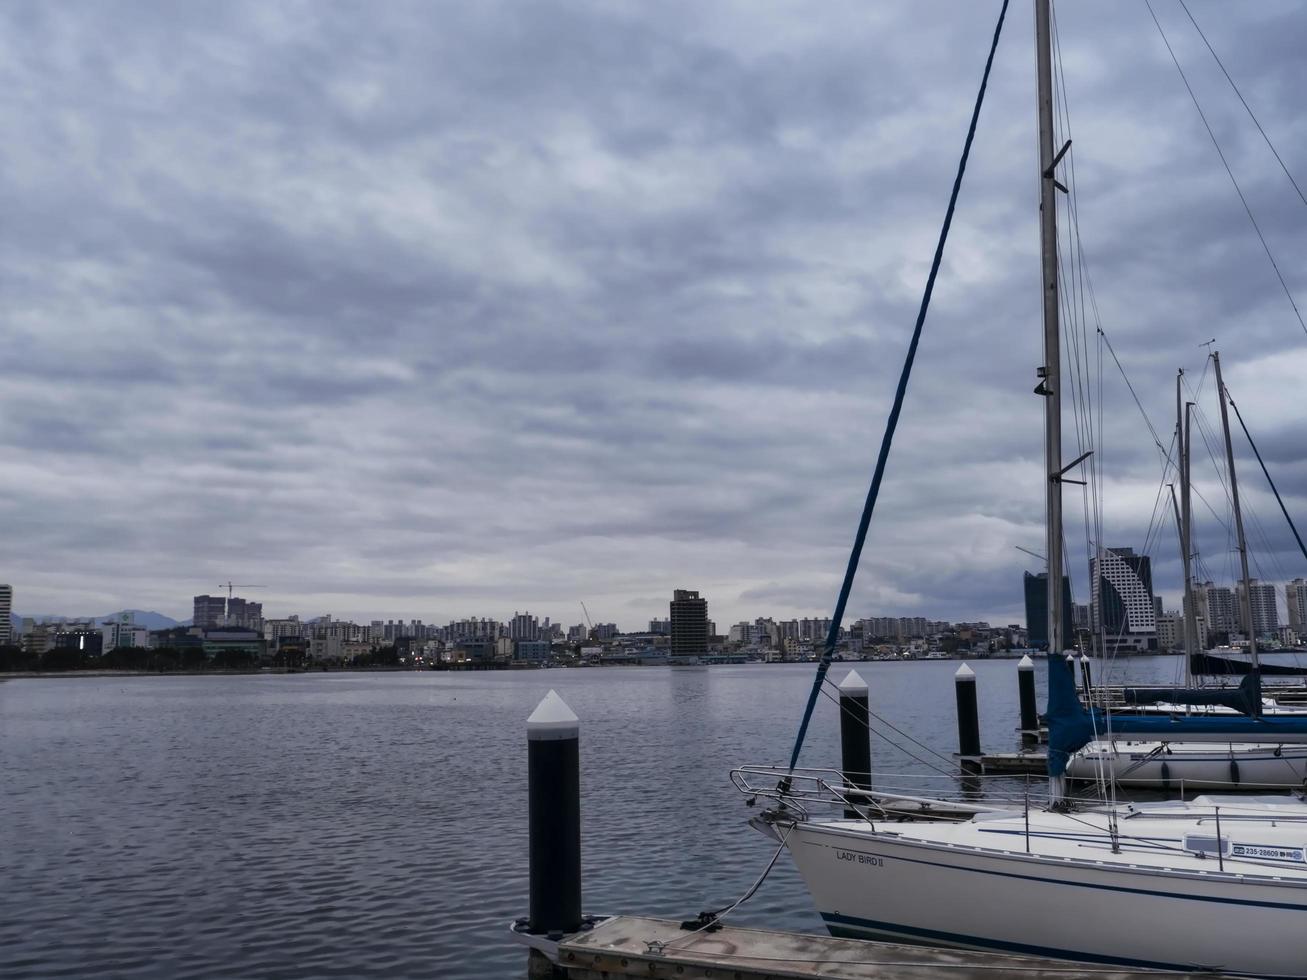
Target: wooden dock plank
(1034, 762)
(628, 946)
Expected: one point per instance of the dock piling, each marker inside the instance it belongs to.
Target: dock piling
(1026, 691)
(1086, 676)
(554, 806)
(855, 735)
(964, 683)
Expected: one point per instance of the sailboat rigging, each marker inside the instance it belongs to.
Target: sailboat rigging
(1216, 883)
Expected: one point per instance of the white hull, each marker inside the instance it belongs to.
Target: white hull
(973, 885)
(1192, 765)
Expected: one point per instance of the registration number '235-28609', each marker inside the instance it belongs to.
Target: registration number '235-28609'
(1268, 853)
(868, 859)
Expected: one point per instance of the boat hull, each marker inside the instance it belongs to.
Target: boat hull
(888, 886)
(1195, 766)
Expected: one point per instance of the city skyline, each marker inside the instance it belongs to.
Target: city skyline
(1219, 609)
(571, 303)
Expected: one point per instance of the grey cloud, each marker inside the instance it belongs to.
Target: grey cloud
(439, 309)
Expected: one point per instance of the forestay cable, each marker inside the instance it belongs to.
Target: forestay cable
(1267, 473)
(833, 635)
(1225, 163)
(1251, 115)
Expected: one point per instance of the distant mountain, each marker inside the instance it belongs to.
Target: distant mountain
(150, 620)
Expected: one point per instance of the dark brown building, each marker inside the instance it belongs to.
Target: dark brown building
(689, 624)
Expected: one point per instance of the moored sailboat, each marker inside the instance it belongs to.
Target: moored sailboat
(1213, 883)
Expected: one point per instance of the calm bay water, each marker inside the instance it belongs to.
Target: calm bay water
(370, 825)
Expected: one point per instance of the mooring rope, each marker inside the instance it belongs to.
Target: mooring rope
(833, 635)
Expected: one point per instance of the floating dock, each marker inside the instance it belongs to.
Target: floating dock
(1030, 762)
(635, 946)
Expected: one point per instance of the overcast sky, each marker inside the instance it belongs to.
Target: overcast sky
(454, 309)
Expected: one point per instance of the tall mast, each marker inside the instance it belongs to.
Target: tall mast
(1187, 518)
(1051, 372)
(1247, 602)
(1184, 517)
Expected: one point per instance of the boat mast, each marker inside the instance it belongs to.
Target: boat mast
(1247, 602)
(1184, 516)
(1196, 643)
(1050, 373)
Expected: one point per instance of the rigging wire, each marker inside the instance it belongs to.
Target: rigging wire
(1251, 114)
(1083, 406)
(1077, 325)
(1221, 153)
(1157, 440)
(1267, 473)
(898, 731)
(900, 393)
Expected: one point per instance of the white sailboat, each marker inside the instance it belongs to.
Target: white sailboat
(1214, 883)
(1191, 766)
(1136, 885)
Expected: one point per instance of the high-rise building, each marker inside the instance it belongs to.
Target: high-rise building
(816, 629)
(688, 615)
(1036, 587)
(6, 614)
(209, 611)
(523, 626)
(1262, 600)
(243, 614)
(1170, 631)
(1295, 596)
(1121, 604)
(123, 632)
(1216, 610)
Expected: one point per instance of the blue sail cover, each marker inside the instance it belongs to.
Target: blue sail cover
(1072, 726)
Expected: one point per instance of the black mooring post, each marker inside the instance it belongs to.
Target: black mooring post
(1026, 691)
(855, 735)
(964, 683)
(554, 790)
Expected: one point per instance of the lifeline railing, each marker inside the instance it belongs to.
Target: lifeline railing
(894, 796)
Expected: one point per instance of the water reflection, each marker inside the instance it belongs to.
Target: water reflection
(374, 824)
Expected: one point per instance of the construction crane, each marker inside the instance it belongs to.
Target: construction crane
(230, 587)
(588, 621)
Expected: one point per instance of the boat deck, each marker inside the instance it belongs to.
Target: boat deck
(1157, 835)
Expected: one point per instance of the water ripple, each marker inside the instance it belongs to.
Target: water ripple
(375, 825)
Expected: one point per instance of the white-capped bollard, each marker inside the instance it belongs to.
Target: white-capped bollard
(964, 684)
(855, 734)
(553, 735)
(1026, 692)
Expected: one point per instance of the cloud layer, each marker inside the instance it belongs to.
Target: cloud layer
(433, 310)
